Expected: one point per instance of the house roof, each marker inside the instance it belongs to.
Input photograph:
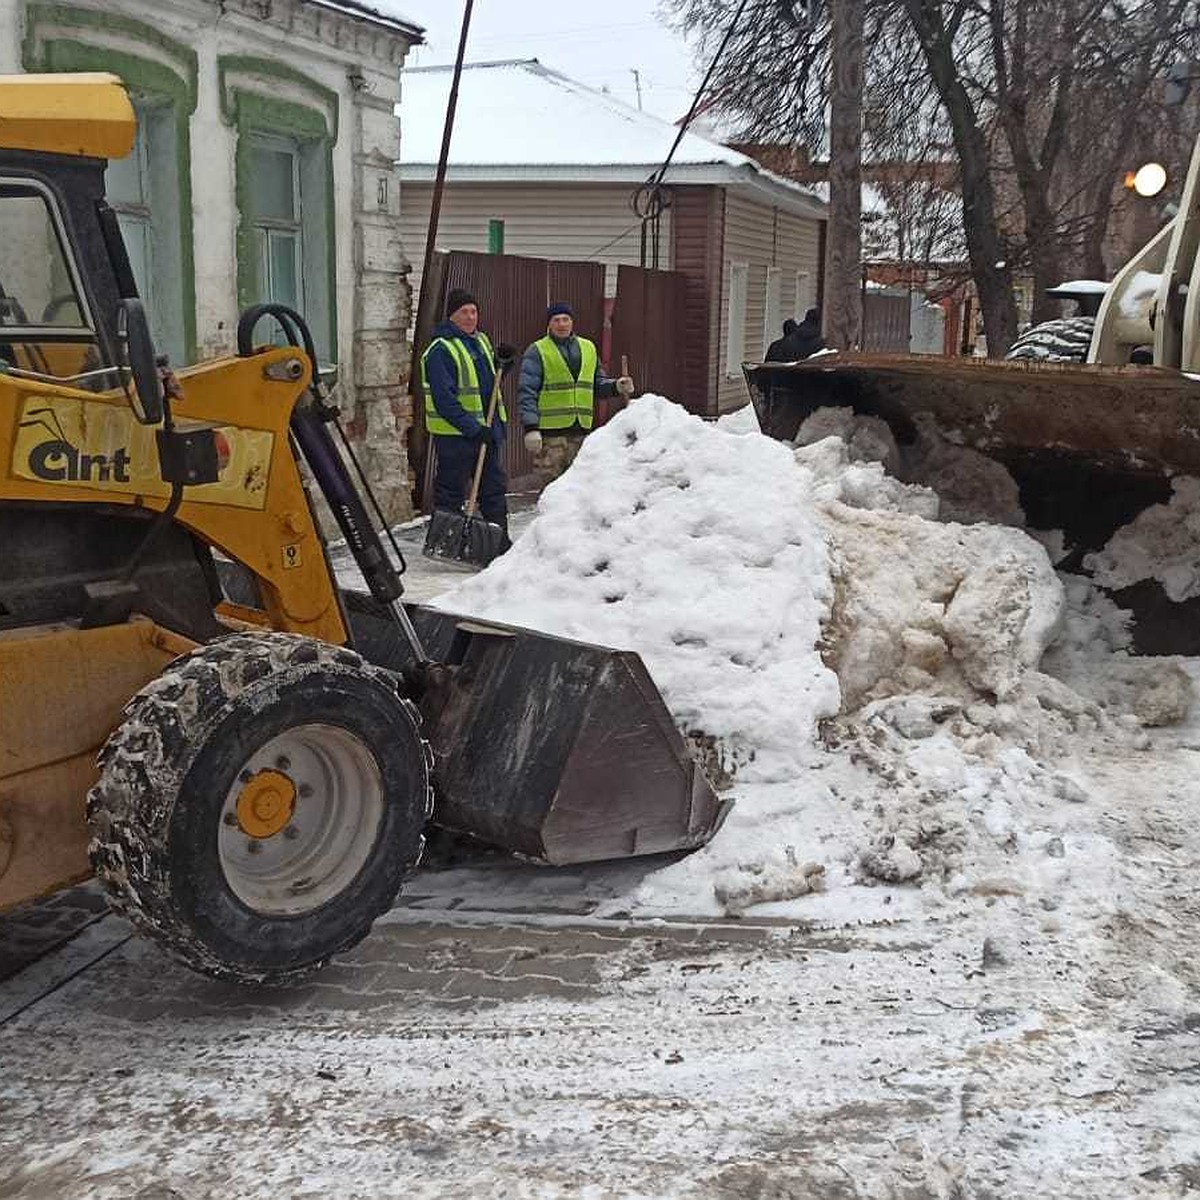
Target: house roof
(537, 123)
(376, 12)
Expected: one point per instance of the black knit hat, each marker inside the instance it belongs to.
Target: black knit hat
(457, 299)
(559, 309)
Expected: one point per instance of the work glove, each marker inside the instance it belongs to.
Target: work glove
(533, 440)
(625, 387)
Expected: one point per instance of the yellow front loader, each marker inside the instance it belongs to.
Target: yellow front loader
(259, 752)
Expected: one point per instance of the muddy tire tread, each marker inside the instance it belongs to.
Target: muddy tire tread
(147, 757)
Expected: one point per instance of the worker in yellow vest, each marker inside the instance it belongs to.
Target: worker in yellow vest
(458, 370)
(561, 379)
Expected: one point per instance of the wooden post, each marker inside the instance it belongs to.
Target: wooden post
(842, 314)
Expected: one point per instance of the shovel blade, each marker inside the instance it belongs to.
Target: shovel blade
(455, 537)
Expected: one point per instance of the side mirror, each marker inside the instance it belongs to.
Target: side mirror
(136, 348)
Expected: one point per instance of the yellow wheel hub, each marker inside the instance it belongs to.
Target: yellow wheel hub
(266, 803)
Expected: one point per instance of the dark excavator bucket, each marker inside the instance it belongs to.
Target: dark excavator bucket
(1089, 447)
(552, 749)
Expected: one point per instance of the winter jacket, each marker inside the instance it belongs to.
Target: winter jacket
(441, 377)
(530, 385)
(800, 341)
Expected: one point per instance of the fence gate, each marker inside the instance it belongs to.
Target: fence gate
(648, 330)
(885, 323)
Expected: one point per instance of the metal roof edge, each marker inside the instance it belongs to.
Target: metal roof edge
(748, 176)
(715, 172)
(442, 68)
(782, 192)
(361, 10)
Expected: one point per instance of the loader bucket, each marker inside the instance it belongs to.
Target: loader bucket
(1089, 447)
(552, 749)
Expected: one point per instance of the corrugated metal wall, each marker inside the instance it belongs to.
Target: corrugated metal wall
(544, 220)
(762, 236)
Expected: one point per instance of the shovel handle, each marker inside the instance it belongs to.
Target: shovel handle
(625, 364)
(473, 497)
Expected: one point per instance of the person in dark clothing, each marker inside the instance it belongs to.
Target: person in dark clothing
(777, 351)
(798, 342)
(458, 372)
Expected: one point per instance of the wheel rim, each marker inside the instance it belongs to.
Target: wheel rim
(300, 820)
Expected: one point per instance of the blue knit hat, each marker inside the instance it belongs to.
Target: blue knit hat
(559, 309)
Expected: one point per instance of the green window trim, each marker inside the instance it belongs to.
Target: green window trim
(267, 72)
(250, 113)
(48, 48)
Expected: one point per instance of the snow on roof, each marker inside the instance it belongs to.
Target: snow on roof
(378, 12)
(518, 118)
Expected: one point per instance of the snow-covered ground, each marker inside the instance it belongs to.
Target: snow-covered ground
(943, 946)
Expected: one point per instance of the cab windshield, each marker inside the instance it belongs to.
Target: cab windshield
(44, 328)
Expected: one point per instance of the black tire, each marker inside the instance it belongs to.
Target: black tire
(1067, 339)
(159, 815)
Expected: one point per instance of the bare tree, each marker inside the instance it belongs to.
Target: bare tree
(1042, 102)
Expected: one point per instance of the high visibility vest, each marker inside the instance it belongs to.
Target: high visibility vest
(564, 400)
(469, 395)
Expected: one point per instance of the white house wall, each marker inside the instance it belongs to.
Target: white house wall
(762, 236)
(360, 63)
(576, 222)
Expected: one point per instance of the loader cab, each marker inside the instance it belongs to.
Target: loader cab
(63, 302)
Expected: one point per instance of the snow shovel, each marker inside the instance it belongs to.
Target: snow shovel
(464, 536)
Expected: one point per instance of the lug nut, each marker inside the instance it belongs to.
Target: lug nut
(282, 763)
(254, 847)
(306, 790)
(230, 818)
(291, 833)
(245, 775)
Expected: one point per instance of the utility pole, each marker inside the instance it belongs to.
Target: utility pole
(637, 82)
(843, 310)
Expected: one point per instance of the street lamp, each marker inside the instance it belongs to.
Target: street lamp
(1148, 180)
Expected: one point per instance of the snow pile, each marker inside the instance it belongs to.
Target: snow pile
(1090, 656)
(699, 550)
(744, 420)
(1162, 543)
(965, 610)
(842, 472)
(727, 561)
(966, 485)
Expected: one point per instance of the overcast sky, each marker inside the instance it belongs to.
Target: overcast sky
(597, 43)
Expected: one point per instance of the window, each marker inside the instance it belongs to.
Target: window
(735, 336)
(288, 205)
(143, 189)
(495, 236)
(275, 200)
(773, 307)
(43, 322)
